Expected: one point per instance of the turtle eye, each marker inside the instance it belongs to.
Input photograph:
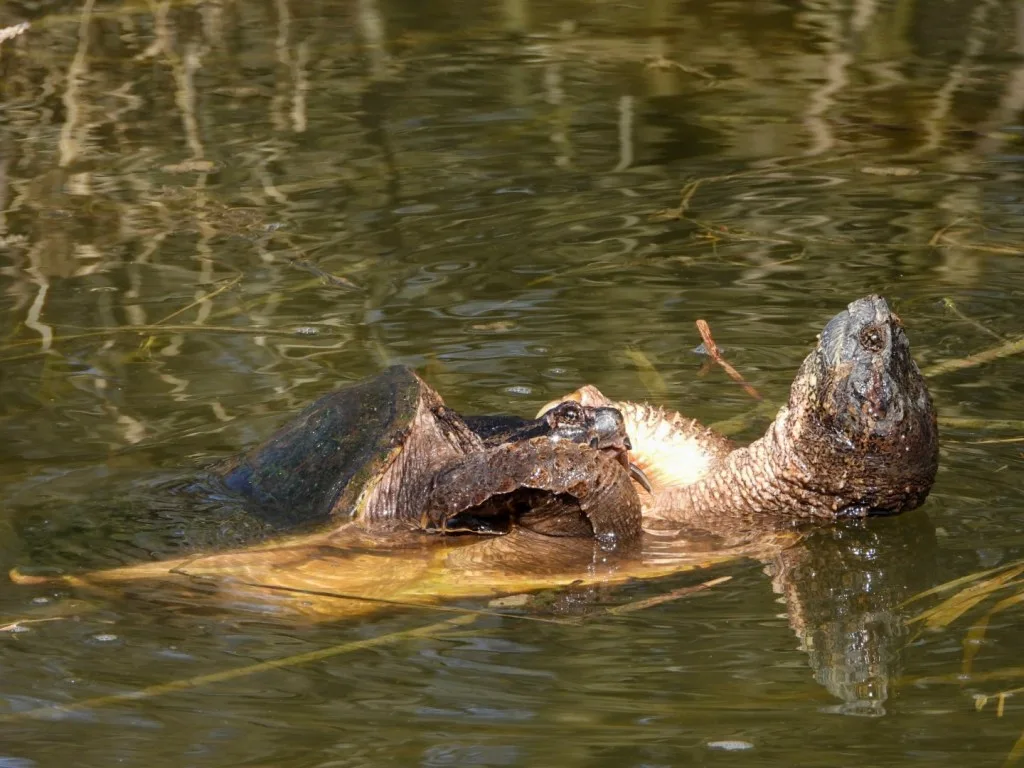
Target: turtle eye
(572, 413)
(872, 339)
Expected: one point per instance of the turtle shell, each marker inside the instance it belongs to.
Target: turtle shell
(315, 467)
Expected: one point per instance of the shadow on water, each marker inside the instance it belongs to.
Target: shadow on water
(213, 212)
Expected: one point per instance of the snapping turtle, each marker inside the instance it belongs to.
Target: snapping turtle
(388, 455)
(857, 437)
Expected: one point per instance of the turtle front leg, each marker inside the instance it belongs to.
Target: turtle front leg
(554, 488)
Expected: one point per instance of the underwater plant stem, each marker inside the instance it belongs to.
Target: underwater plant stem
(464, 617)
(675, 594)
(403, 603)
(953, 309)
(1012, 347)
(231, 674)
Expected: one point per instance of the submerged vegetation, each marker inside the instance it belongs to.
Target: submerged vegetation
(968, 599)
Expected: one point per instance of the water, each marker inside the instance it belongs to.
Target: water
(213, 212)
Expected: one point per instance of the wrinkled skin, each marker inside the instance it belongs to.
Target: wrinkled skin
(606, 508)
(858, 436)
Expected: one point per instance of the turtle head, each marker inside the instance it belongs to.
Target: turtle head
(597, 427)
(859, 407)
(600, 427)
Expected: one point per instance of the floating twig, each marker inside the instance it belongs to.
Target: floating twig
(688, 191)
(329, 278)
(685, 196)
(943, 238)
(712, 349)
(713, 231)
(17, 625)
(205, 297)
(940, 235)
(661, 62)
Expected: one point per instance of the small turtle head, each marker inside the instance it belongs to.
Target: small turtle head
(602, 428)
(597, 427)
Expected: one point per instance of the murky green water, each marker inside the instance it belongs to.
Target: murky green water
(213, 212)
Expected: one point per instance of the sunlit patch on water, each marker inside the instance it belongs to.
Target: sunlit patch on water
(730, 745)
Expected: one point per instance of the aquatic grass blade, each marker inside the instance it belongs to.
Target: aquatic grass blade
(949, 610)
(954, 583)
(975, 635)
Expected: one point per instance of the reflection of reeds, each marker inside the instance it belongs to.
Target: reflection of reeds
(970, 592)
(942, 238)
(99, 103)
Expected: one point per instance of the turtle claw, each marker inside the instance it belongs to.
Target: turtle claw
(638, 475)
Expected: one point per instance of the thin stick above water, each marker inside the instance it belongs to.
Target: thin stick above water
(714, 354)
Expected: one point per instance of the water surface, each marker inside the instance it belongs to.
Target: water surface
(213, 212)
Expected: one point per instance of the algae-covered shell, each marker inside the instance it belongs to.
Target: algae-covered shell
(315, 467)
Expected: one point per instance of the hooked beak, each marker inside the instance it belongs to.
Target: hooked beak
(635, 473)
(638, 474)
